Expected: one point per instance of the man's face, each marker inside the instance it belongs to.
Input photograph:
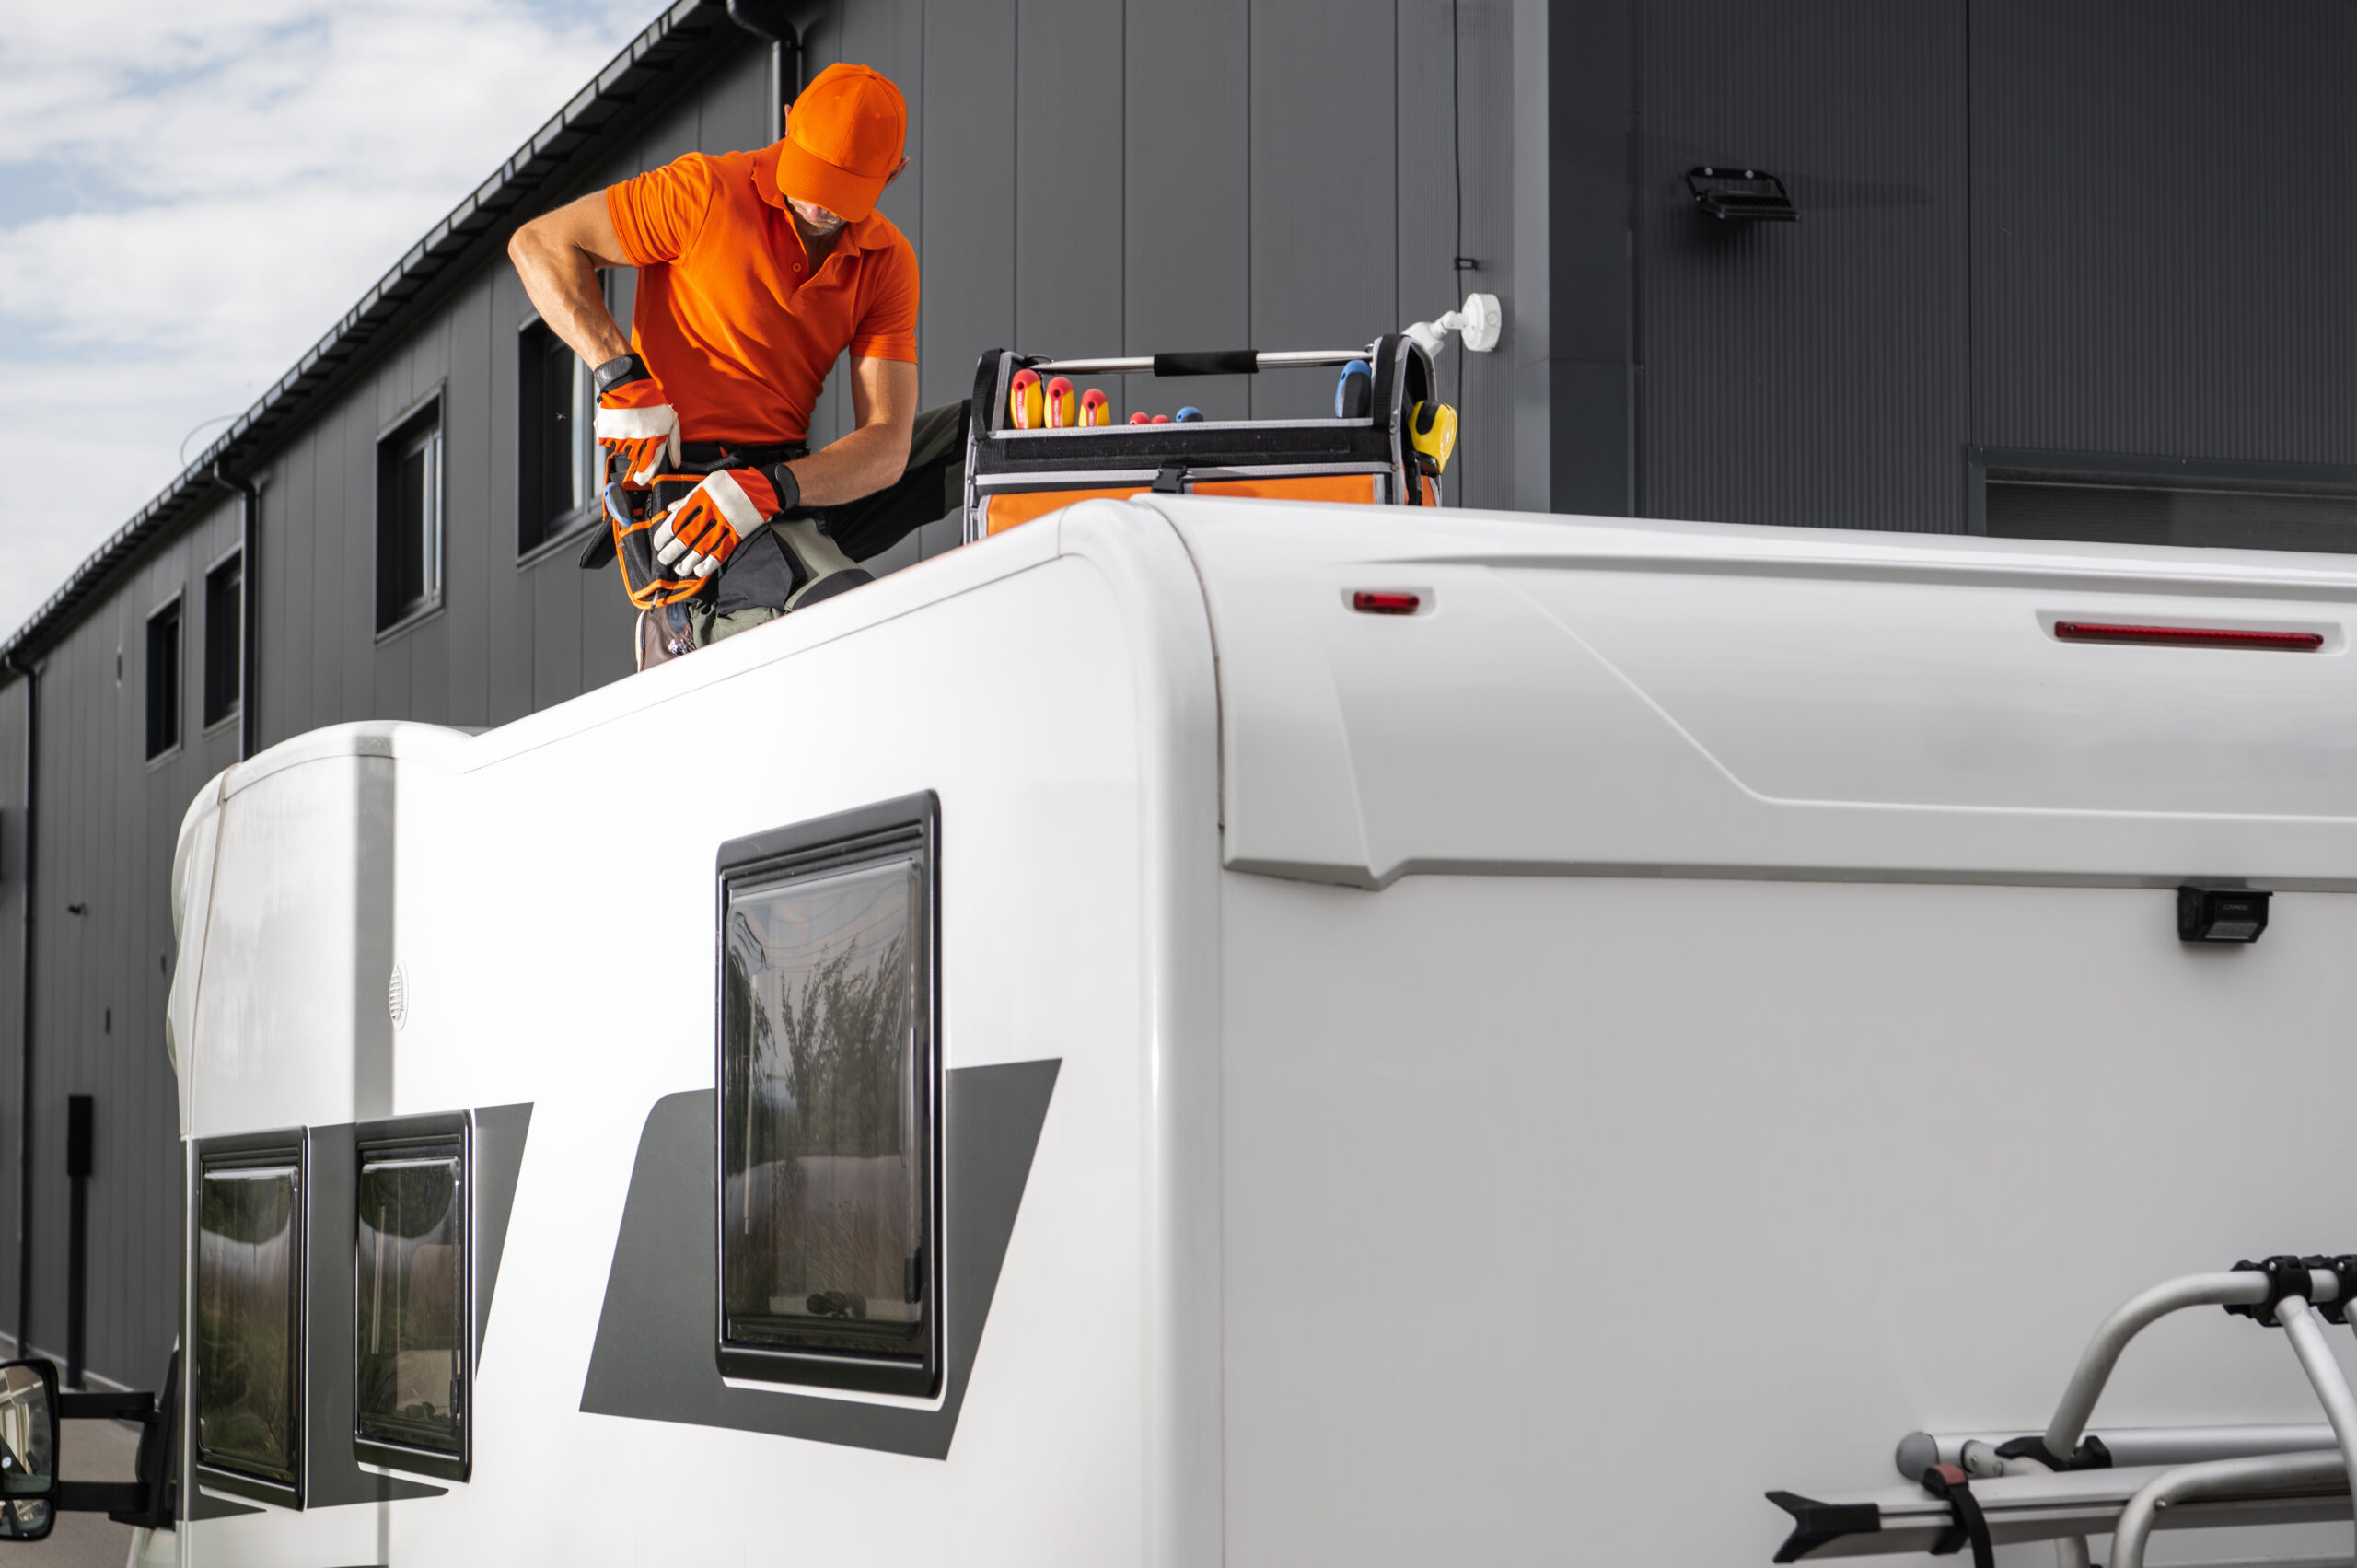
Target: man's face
(814, 218)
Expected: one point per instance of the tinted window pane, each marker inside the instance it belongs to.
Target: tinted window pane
(223, 635)
(411, 1282)
(824, 1195)
(246, 1413)
(550, 469)
(164, 679)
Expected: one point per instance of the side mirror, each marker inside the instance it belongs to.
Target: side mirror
(28, 1449)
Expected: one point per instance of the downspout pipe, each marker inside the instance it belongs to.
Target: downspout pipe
(250, 622)
(770, 21)
(25, 1027)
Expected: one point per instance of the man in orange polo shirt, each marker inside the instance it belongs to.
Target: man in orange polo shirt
(756, 271)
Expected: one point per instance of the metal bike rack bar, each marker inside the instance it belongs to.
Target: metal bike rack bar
(2233, 1287)
(2176, 1489)
(2302, 1328)
(2130, 1445)
(2061, 1505)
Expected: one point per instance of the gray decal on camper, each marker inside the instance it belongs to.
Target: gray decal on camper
(653, 1358)
(209, 1506)
(335, 1478)
(500, 1131)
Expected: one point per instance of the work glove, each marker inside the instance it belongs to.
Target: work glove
(637, 431)
(704, 529)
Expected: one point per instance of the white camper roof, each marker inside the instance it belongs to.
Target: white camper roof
(1605, 695)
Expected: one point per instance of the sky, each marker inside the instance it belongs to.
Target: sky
(191, 195)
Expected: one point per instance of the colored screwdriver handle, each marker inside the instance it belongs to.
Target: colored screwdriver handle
(1096, 408)
(1432, 430)
(1027, 400)
(1354, 391)
(1064, 412)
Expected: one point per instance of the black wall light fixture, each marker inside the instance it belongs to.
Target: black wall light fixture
(2211, 913)
(1742, 195)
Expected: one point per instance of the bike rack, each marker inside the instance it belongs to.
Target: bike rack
(2065, 1484)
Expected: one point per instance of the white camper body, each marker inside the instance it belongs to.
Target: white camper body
(1509, 1082)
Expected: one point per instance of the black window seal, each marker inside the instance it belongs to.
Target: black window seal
(435, 1132)
(843, 841)
(247, 1150)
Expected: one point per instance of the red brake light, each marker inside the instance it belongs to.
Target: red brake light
(2187, 636)
(1379, 603)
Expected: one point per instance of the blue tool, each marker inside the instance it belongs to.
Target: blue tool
(1190, 415)
(1354, 391)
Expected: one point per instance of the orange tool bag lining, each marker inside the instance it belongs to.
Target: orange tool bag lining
(1004, 510)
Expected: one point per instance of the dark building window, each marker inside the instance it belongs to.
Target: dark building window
(554, 439)
(409, 518)
(827, 1252)
(225, 623)
(164, 679)
(2108, 500)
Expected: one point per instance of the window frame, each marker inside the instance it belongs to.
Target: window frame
(230, 560)
(2001, 465)
(421, 1134)
(169, 692)
(843, 841)
(418, 424)
(249, 1151)
(565, 526)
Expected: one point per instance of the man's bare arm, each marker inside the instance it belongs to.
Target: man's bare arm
(884, 401)
(557, 255)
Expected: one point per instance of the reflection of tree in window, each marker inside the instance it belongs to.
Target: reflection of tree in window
(411, 1281)
(825, 1201)
(246, 1415)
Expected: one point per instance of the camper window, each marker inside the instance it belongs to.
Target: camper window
(411, 1392)
(827, 1135)
(248, 1324)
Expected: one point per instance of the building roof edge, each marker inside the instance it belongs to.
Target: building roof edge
(686, 28)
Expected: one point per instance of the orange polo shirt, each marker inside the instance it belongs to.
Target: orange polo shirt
(730, 317)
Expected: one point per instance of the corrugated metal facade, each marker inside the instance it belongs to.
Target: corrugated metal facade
(1085, 177)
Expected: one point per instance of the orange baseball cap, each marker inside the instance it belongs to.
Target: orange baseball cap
(843, 140)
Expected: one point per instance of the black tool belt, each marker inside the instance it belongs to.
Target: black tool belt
(711, 456)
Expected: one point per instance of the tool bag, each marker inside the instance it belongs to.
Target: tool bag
(1368, 454)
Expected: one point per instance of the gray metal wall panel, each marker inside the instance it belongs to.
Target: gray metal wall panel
(1186, 198)
(13, 697)
(2162, 231)
(1067, 187)
(479, 544)
(970, 194)
(1436, 136)
(1325, 191)
(1813, 372)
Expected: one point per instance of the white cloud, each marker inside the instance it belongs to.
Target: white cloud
(191, 196)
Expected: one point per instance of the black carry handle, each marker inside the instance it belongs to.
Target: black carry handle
(1209, 362)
